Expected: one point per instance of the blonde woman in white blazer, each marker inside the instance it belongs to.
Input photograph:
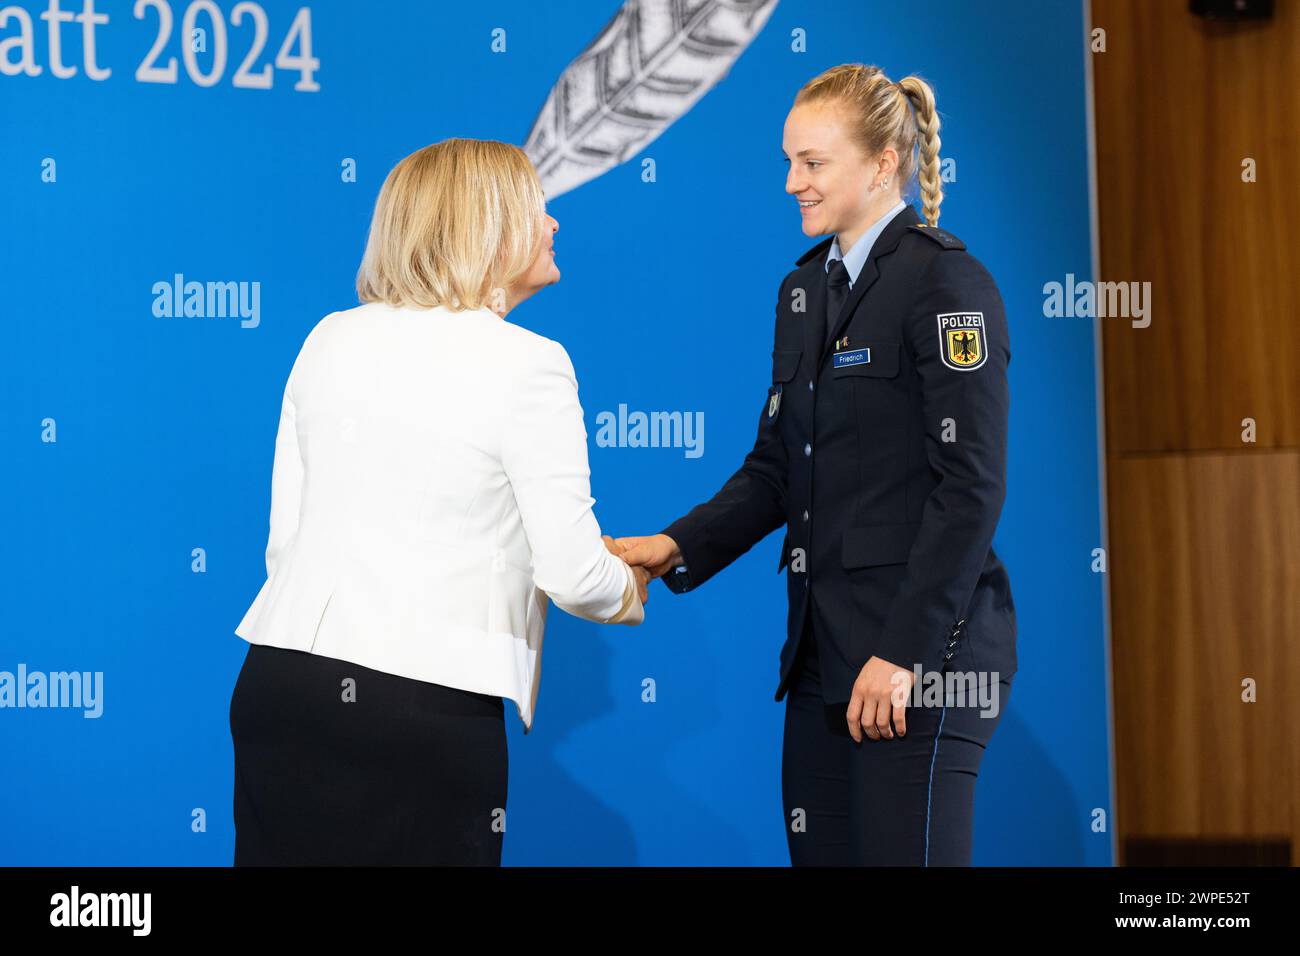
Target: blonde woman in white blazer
(430, 491)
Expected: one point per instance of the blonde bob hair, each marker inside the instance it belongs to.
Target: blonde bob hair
(884, 113)
(455, 225)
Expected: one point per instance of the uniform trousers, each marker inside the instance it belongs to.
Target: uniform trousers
(338, 764)
(906, 801)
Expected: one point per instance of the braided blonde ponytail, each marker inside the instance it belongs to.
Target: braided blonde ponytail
(881, 117)
(921, 97)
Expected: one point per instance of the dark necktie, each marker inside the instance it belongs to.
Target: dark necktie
(837, 291)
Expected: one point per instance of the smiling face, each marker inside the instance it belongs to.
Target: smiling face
(829, 174)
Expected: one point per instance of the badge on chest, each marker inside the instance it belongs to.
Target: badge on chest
(844, 356)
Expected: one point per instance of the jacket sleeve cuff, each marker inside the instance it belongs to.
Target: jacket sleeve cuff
(922, 640)
(679, 579)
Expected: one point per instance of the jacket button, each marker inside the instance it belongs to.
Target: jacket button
(805, 515)
(807, 450)
(810, 385)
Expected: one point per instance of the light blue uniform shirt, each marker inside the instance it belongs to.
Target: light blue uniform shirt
(857, 256)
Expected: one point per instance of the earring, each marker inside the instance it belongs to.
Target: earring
(884, 183)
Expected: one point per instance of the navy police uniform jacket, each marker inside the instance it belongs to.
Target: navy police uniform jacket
(883, 454)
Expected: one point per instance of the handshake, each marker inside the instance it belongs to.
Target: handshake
(649, 557)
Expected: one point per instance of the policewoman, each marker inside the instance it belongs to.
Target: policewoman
(881, 449)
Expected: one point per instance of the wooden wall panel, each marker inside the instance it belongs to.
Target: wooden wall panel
(1203, 550)
(1179, 104)
(1204, 529)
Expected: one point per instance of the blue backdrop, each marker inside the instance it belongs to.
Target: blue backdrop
(137, 537)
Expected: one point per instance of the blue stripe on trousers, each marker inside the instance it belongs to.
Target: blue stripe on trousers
(930, 788)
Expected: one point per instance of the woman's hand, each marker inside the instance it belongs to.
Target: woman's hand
(642, 584)
(642, 575)
(881, 691)
(657, 553)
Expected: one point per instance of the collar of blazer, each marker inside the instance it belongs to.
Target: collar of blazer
(812, 259)
(886, 242)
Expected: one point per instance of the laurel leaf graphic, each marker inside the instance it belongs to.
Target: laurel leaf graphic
(648, 67)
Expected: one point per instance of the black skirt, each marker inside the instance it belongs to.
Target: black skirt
(338, 764)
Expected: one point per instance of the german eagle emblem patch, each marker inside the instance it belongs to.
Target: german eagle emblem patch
(962, 344)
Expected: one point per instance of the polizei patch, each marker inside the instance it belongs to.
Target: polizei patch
(962, 341)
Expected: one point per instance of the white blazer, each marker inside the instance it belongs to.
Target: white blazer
(430, 489)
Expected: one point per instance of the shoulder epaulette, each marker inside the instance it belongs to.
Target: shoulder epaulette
(945, 239)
